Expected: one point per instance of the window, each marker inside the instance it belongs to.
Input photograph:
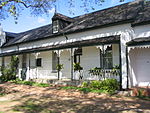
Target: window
(54, 60)
(108, 64)
(55, 26)
(38, 62)
(24, 58)
(77, 54)
(0, 43)
(78, 51)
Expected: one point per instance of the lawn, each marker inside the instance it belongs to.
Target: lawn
(19, 98)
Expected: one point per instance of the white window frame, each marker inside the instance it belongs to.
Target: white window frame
(55, 26)
(54, 61)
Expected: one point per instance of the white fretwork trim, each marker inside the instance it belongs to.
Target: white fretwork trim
(138, 47)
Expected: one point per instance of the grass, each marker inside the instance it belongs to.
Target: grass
(144, 97)
(31, 83)
(83, 89)
(1, 112)
(32, 106)
(2, 92)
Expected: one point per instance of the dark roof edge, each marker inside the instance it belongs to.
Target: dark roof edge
(141, 23)
(77, 31)
(139, 41)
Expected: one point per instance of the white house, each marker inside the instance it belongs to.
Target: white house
(115, 36)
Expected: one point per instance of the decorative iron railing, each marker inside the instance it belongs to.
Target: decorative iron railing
(98, 74)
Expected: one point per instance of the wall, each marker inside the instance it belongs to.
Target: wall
(139, 62)
(90, 57)
(115, 54)
(45, 71)
(65, 59)
(125, 31)
(138, 54)
(142, 31)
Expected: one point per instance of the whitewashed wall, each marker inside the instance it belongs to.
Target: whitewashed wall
(90, 57)
(7, 60)
(139, 54)
(142, 31)
(19, 66)
(125, 31)
(115, 54)
(65, 59)
(45, 71)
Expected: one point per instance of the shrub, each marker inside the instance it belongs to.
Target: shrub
(9, 72)
(110, 85)
(85, 90)
(85, 84)
(95, 84)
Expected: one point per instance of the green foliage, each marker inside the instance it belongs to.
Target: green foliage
(10, 71)
(85, 84)
(77, 66)
(30, 83)
(41, 85)
(59, 67)
(39, 7)
(116, 69)
(95, 84)
(109, 85)
(83, 89)
(69, 87)
(2, 91)
(96, 71)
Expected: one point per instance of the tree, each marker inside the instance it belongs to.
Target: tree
(37, 7)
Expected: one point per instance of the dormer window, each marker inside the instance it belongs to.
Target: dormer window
(55, 26)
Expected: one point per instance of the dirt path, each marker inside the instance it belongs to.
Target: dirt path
(29, 99)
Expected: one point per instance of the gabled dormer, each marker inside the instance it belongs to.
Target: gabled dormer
(60, 21)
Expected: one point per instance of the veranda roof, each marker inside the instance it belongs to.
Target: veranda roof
(142, 42)
(80, 43)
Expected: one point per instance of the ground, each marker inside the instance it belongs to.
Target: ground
(31, 99)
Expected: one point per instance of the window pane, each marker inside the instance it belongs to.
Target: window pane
(108, 64)
(24, 58)
(55, 26)
(39, 62)
(54, 60)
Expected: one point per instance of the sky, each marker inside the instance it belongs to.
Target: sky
(27, 21)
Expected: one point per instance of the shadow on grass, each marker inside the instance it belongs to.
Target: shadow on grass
(50, 104)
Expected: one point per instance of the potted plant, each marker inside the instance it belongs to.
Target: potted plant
(77, 67)
(59, 67)
(115, 70)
